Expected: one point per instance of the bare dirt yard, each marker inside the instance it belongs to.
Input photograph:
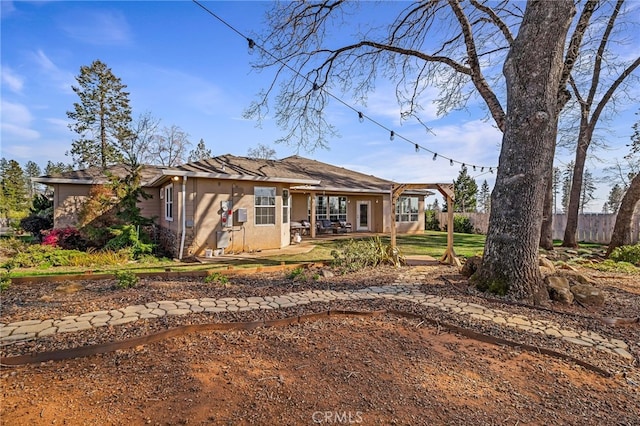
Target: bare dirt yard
(343, 369)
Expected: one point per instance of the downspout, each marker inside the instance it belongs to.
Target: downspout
(183, 219)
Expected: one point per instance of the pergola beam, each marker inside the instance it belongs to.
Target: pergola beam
(447, 190)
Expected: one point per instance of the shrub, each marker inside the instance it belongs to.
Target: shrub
(126, 279)
(297, 274)
(5, 277)
(357, 254)
(462, 225)
(216, 278)
(128, 236)
(431, 222)
(66, 238)
(35, 224)
(630, 254)
(46, 256)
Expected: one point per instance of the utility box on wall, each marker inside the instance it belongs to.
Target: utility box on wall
(241, 215)
(226, 208)
(223, 239)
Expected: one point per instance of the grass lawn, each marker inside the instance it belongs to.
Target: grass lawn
(430, 243)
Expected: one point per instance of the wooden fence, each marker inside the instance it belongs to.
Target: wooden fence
(592, 227)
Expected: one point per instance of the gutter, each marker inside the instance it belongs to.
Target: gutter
(183, 219)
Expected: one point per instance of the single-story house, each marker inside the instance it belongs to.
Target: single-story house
(239, 204)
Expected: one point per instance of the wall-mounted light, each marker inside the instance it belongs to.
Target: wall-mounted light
(176, 178)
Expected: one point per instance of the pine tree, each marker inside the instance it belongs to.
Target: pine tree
(587, 191)
(465, 189)
(615, 198)
(484, 197)
(32, 170)
(102, 118)
(56, 169)
(567, 177)
(557, 174)
(13, 187)
(200, 153)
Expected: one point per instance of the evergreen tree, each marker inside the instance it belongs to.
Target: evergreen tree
(567, 177)
(465, 189)
(557, 174)
(102, 118)
(56, 169)
(615, 198)
(484, 197)
(14, 201)
(587, 191)
(200, 153)
(32, 170)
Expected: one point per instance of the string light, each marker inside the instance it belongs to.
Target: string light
(463, 166)
(252, 45)
(481, 169)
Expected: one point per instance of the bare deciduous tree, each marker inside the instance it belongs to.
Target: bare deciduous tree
(262, 151)
(456, 47)
(169, 147)
(607, 76)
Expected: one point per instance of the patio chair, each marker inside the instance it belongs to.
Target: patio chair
(324, 226)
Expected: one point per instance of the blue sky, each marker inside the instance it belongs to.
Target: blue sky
(189, 70)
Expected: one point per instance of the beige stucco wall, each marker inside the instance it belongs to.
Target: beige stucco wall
(67, 202)
(204, 213)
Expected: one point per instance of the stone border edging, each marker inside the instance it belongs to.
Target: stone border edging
(84, 351)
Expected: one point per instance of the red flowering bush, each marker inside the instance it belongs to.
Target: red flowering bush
(65, 238)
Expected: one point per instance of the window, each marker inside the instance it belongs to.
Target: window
(333, 208)
(265, 204)
(285, 206)
(168, 202)
(407, 209)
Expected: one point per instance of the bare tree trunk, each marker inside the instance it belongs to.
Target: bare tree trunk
(584, 140)
(622, 230)
(533, 73)
(546, 233)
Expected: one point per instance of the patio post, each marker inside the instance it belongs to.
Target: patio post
(312, 213)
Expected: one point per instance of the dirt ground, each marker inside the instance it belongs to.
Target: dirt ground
(382, 369)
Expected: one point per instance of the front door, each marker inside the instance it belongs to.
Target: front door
(363, 216)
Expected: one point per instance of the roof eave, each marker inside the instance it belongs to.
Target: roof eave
(168, 173)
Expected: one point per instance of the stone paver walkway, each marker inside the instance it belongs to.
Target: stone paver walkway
(32, 329)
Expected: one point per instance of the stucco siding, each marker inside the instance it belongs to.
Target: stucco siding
(67, 202)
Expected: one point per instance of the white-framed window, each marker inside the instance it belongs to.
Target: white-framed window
(265, 205)
(407, 209)
(285, 206)
(168, 202)
(332, 207)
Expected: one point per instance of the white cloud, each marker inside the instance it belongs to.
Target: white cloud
(11, 80)
(98, 27)
(58, 124)
(61, 78)
(16, 122)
